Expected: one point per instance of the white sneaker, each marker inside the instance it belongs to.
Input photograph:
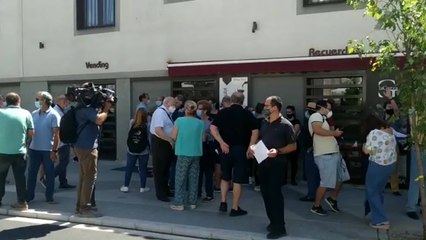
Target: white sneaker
(124, 189)
(146, 189)
(177, 207)
(257, 188)
(192, 206)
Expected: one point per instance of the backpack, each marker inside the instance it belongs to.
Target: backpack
(306, 137)
(68, 127)
(137, 139)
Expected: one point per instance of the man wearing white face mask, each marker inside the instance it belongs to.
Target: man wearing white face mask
(143, 101)
(326, 157)
(162, 146)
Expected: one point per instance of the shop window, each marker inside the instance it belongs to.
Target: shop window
(95, 14)
(175, 1)
(196, 89)
(319, 2)
(348, 96)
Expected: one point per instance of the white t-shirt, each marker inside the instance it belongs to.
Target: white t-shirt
(382, 147)
(322, 144)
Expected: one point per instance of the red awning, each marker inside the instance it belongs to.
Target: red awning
(284, 65)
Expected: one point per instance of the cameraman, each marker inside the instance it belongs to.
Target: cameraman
(88, 120)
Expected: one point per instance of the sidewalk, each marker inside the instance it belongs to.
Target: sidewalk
(141, 211)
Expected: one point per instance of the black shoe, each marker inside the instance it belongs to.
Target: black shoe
(318, 210)
(223, 207)
(163, 199)
(275, 235)
(216, 189)
(397, 193)
(238, 212)
(207, 199)
(51, 201)
(307, 199)
(413, 215)
(333, 204)
(66, 186)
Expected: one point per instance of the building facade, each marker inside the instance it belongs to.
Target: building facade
(295, 49)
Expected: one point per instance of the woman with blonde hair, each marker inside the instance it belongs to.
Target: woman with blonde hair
(137, 149)
(188, 134)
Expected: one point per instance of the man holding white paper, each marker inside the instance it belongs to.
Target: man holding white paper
(277, 135)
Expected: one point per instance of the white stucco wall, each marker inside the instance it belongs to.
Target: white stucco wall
(150, 33)
(10, 39)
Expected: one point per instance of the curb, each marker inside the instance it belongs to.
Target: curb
(139, 225)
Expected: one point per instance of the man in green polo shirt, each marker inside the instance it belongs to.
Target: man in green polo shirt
(17, 126)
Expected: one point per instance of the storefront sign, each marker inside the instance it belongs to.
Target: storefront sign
(327, 52)
(229, 85)
(99, 64)
(387, 84)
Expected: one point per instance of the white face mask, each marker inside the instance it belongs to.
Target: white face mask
(37, 104)
(147, 102)
(329, 114)
(158, 103)
(171, 109)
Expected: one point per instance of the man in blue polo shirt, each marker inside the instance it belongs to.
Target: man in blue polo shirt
(44, 146)
(17, 127)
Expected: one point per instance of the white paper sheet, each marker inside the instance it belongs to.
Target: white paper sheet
(260, 151)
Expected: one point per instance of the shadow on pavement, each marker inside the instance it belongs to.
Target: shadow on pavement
(29, 232)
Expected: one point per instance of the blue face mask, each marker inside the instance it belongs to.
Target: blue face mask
(37, 104)
(199, 113)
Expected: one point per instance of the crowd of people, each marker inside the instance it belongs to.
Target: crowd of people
(198, 148)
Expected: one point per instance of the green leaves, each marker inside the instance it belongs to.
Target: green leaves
(405, 23)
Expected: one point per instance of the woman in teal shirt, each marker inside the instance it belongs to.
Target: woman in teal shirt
(188, 133)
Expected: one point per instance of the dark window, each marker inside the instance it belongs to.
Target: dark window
(95, 13)
(347, 94)
(196, 89)
(319, 2)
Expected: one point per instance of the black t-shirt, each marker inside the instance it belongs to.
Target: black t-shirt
(295, 121)
(235, 125)
(277, 134)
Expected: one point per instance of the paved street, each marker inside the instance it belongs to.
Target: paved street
(31, 228)
(141, 211)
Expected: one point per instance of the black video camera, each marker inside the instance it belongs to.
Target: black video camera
(90, 95)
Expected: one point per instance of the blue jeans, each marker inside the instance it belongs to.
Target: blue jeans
(375, 182)
(61, 168)
(142, 166)
(187, 170)
(312, 174)
(36, 158)
(413, 189)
